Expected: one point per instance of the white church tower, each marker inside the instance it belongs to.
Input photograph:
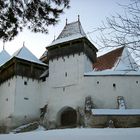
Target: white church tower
(69, 57)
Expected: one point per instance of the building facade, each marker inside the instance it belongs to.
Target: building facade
(72, 87)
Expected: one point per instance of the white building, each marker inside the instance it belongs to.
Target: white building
(72, 86)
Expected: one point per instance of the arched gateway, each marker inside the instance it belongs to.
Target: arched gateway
(67, 117)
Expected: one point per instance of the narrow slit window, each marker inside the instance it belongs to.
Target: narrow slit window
(66, 74)
(25, 98)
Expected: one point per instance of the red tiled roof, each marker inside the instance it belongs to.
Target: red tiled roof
(108, 60)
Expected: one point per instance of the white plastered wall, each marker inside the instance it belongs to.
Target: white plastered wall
(27, 100)
(105, 89)
(72, 89)
(7, 94)
(62, 85)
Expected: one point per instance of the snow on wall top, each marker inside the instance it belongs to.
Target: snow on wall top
(115, 111)
(25, 54)
(4, 57)
(112, 73)
(70, 32)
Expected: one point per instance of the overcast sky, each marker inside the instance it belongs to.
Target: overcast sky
(92, 13)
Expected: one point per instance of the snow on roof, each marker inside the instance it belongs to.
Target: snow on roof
(70, 32)
(4, 57)
(116, 62)
(108, 60)
(119, 59)
(126, 62)
(115, 111)
(25, 54)
(72, 29)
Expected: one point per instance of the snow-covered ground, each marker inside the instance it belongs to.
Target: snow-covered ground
(77, 134)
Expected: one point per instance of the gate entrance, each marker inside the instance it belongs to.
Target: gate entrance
(67, 117)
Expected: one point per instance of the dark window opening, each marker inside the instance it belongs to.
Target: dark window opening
(114, 85)
(43, 79)
(25, 82)
(66, 74)
(25, 98)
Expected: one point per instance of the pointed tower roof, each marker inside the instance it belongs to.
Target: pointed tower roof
(119, 59)
(25, 54)
(4, 57)
(72, 40)
(70, 32)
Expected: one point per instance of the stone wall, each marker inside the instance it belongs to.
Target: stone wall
(118, 121)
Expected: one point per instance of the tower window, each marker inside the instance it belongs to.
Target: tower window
(25, 98)
(43, 79)
(66, 74)
(25, 82)
(114, 85)
(97, 82)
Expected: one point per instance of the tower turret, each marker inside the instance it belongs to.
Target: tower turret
(70, 55)
(72, 40)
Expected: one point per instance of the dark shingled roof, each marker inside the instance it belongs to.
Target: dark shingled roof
(71, 31)
(108, 60)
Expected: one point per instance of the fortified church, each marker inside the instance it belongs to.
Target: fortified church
(70, 86)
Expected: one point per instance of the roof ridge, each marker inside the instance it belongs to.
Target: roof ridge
(110, 52)
(19, 51)
(4, 57)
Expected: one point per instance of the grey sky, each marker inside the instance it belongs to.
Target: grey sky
(92, 13)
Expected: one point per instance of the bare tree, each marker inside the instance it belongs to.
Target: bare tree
(123, 29)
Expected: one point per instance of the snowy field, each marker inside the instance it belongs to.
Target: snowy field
(77, 134)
